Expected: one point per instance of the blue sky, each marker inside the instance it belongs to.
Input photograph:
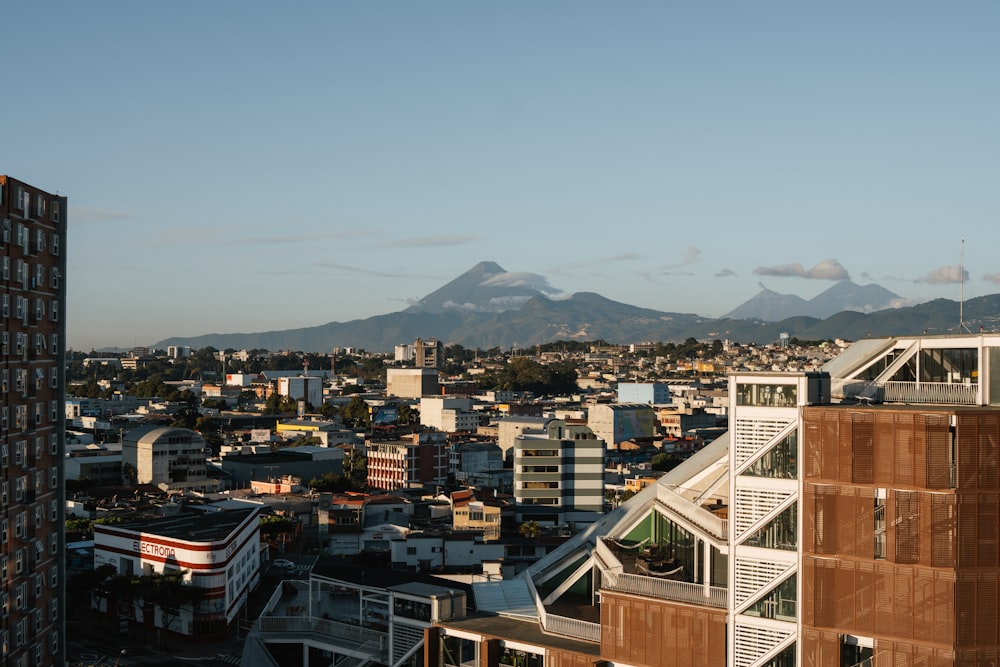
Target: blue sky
(246, 166)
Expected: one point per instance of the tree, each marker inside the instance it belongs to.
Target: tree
(331, 482)
(530, 529)
(356, 412)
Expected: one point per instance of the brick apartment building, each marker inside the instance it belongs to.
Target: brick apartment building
(32, 358)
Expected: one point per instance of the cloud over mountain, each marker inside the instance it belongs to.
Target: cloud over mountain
(828, 269)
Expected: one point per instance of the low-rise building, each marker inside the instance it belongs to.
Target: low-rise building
(411, 382)
(173, 459)
(218, 552)
(421, 460)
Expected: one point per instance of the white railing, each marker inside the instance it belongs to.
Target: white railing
(561, 625)
(311, 624)
(931, 392)
(573, 627)
(666, 589)
(606, 556)
(678, 504)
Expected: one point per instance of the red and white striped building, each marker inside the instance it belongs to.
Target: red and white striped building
(217, 551)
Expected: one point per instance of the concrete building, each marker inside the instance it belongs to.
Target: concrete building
(171, 458)
(559, 475)
(419, 461)
(428, 353)
(472, 514)
(479, 460)
(304, 462)
(308, 388)
(651, 393)
(347, 614)
(403, 353)
(450, 414)
(510, 428)
(411, 382)
(217, 551)
(429, 552)
(615, 423)
(32, 423)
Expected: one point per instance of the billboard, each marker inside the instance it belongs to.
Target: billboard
(387, 415)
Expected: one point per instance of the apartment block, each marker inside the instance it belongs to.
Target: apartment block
(559, 475)
(32, 359)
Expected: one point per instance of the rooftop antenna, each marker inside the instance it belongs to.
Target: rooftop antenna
(961, 293)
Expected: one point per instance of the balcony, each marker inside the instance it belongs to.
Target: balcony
(938, 393)
(931, 392)
(666, 589)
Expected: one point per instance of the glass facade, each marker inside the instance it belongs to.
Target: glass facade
(781, 461)
(767, 395)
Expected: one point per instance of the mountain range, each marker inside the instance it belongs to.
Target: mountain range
(488, 307)
(844, 295)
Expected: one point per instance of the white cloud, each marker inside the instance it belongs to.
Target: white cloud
(945, 275)
(521, 279)
(828, 269)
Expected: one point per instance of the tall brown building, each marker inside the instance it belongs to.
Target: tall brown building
(32, 358)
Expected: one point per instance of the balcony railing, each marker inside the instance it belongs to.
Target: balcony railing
(665, 589)
(573, 627)
(712, 524)
(894, 391)
(931, 392)
(373, 640)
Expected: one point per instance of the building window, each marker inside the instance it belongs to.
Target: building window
(770, 395)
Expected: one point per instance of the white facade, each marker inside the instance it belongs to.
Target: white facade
(171, 458)
(403, 353)
(561, 469)
(423, 552)
(226, 562)
(651, 393)
(448, 413)
(302, 388)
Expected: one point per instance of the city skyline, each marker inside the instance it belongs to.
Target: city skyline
(248, 168)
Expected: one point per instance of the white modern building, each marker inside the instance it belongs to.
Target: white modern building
(651, 393)
(559, 475)
(308, 388)
(450, 414)
(173, 459)
(217, 551)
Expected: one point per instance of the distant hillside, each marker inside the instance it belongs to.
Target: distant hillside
(772, 306)
(589, 316)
